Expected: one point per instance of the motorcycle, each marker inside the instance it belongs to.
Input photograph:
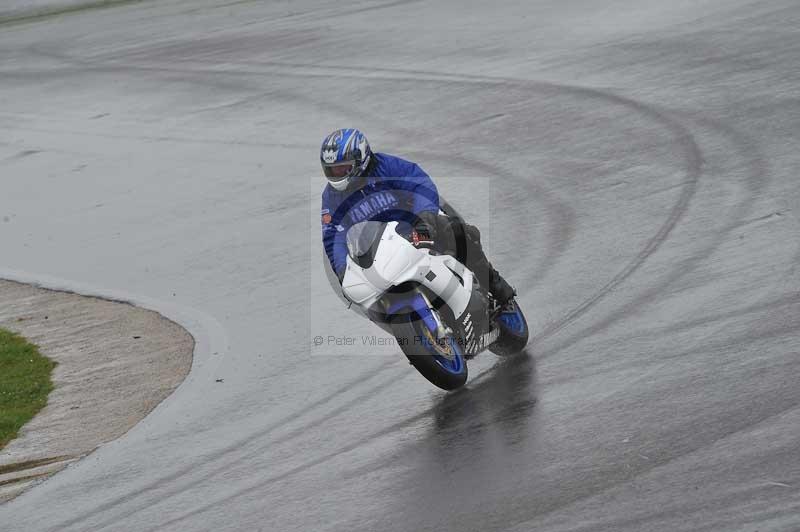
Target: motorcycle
(431, 303)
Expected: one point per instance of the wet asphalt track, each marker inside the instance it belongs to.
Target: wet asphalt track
(644, 200)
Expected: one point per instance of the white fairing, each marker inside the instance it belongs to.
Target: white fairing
(398, 261)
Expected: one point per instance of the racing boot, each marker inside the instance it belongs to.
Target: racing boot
(502, 292)
(476, 260)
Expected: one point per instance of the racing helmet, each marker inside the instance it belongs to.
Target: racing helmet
(344, 155)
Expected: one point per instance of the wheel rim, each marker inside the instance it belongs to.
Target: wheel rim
(445, 352)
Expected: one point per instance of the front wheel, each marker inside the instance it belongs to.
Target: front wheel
(440, 361)
(513, 331)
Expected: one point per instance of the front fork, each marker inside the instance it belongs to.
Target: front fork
(442, 330)
(419, 303)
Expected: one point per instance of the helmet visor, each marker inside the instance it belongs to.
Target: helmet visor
(339, 171)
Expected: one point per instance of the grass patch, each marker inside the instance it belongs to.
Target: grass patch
(24, 383)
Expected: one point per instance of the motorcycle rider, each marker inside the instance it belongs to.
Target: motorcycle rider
(366, 185)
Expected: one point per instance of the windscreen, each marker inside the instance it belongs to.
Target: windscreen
(361, 236)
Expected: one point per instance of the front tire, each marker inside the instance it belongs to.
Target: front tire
(441, 362)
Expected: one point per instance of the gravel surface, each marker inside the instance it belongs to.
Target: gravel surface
(116, 363)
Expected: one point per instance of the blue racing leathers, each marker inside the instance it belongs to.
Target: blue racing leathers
(392, 189)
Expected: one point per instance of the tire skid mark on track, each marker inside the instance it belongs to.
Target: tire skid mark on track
(694, 161)
(316, 14)
(366, 376)
(506, 395)
(789, 299)
(255, 451)
(733, 522)
(170, 138)
(559, 233)
(738, 421)
(757, 174)
(45, 14)
(475, 380)
(593, 491)
(755, 182)
(564, 228)
(408, 422)
(40, 14)
(795, 267)
(733, 341)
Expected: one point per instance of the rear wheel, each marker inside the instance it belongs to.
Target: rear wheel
(440, 361)
(513, 331)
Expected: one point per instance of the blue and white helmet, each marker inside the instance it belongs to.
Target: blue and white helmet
(345, 155)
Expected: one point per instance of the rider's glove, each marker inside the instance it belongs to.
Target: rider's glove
(424, 233)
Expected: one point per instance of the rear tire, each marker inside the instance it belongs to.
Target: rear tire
(413, 338)
(513, 333)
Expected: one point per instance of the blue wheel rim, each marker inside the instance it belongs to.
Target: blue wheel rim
(513, 321)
